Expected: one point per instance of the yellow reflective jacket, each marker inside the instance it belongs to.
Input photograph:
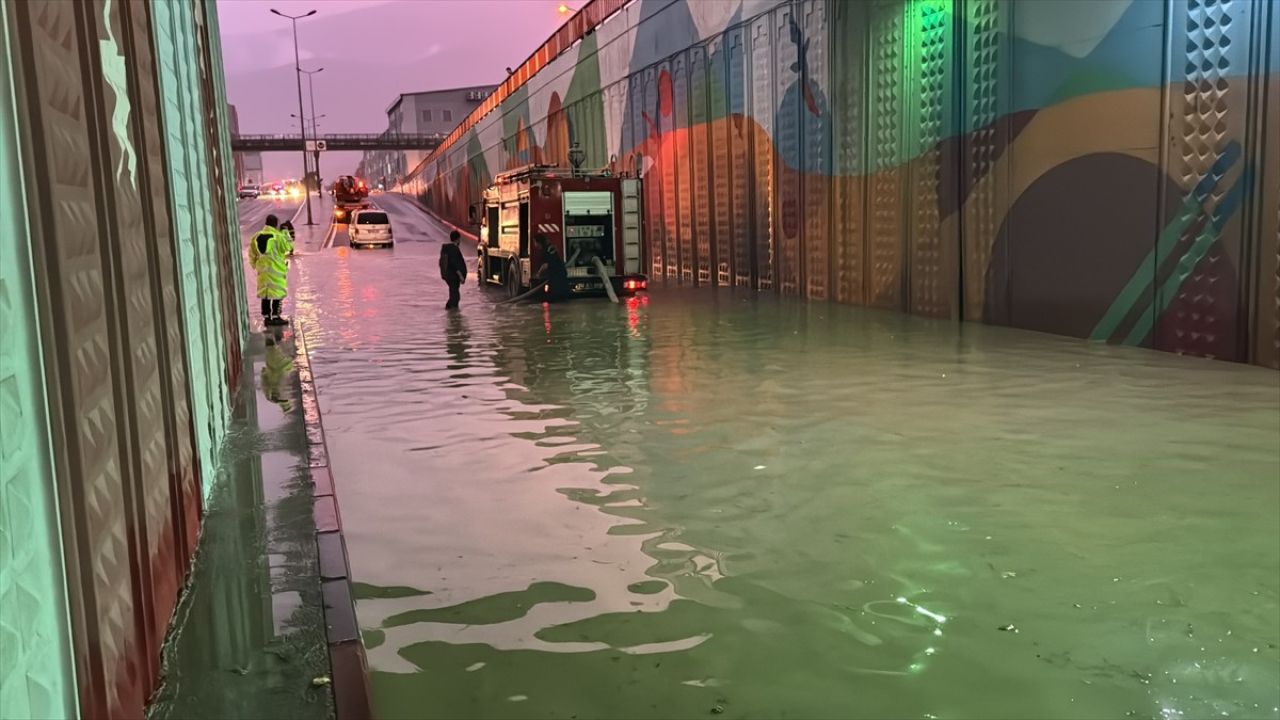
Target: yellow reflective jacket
(271, 263)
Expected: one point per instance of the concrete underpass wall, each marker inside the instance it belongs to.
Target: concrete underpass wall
(1108, 170)
(121, 308)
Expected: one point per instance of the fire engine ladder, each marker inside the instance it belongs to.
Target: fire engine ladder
(631, 225)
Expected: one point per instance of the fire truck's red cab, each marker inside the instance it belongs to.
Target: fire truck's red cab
(593, 221)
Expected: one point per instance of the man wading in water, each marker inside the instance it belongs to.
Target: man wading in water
(553, 271)
(453, 269)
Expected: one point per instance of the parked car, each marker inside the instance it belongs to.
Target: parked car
(370, 227)
(249, 190)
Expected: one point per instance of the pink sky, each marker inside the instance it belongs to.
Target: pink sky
(371, 50)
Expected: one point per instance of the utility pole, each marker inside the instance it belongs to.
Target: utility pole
(302, 123)
(315, 125)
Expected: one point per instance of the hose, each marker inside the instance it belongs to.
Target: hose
(537, 285)
(537, 288)
(604, 275)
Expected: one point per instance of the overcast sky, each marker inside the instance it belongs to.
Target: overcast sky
(371, 51)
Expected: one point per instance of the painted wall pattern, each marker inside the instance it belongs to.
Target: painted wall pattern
(1094, 168)
(121, 305)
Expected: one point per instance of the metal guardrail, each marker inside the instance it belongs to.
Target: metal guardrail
(349, 141)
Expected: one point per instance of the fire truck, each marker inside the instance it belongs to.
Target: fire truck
(592, 219)
(349, 195)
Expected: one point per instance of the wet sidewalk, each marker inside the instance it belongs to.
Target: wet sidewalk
(312, 238)
(248, 639)
(266, 626)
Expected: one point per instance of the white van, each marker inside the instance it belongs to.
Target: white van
(370, 227)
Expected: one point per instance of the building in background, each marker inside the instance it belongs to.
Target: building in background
(237, 159)
(247, 165)
(250, 164)
(421, 113)
(381, 166)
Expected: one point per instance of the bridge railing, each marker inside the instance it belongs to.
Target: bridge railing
(339, 141)
(390, 137)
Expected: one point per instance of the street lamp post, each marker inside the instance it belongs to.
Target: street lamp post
(297, 67)
(309, 127)
(315, 136)
(315, 132)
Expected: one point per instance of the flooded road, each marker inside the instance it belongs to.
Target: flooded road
(703, 504)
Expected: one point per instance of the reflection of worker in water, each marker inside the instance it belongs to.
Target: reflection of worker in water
(278, 365)
(553, 272)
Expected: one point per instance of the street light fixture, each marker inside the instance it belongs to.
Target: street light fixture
(314, 120)
(297, 67)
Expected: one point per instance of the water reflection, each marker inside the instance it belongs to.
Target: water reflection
(456, 340)
(276, 369)
(249, 633)
(719, 500)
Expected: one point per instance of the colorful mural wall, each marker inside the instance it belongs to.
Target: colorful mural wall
(1104, 169)
(122, 318)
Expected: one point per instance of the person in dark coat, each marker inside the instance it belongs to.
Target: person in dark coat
(453, 269)
(553, 271)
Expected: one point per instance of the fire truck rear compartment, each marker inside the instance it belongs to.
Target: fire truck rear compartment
(588, 234)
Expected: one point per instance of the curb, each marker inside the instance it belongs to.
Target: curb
(348, 666)
(301, 206)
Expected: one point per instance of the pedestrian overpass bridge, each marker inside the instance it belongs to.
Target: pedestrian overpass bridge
(345, 141)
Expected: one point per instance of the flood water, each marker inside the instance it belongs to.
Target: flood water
(718, 504)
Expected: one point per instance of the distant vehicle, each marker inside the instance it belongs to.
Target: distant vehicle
(349, 188)
(248, 190)
(275, 190)
(349, 195)
(370, 227)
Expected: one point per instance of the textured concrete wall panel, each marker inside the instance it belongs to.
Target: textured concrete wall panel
(112, 478)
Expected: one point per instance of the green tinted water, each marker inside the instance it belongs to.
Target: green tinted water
(718, 504)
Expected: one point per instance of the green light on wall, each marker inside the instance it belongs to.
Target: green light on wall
(36, 676)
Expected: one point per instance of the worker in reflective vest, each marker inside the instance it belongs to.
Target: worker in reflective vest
(269, 253)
